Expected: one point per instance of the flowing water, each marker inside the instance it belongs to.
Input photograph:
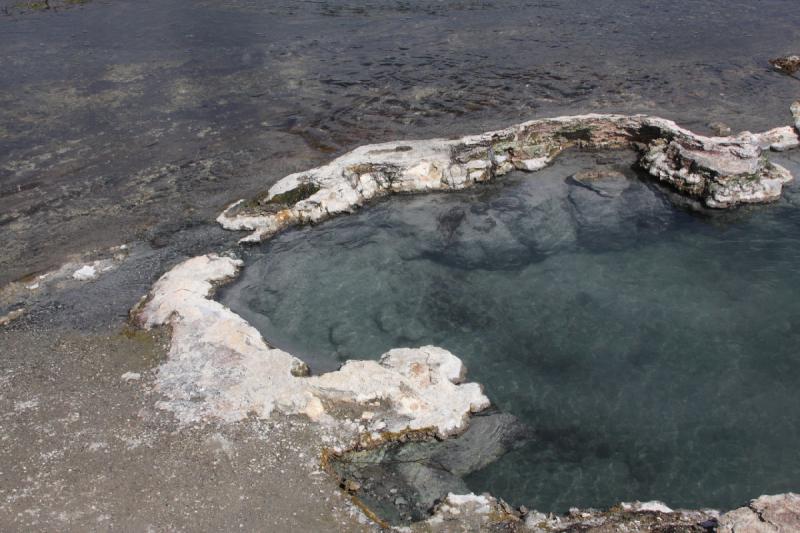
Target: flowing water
(650, 346)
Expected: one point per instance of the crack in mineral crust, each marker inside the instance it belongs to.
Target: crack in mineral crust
(219, 366)
(720, 171)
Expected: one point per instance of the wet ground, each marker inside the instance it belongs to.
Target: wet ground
(137, 121)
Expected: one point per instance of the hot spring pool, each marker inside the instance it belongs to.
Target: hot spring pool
(651, 348)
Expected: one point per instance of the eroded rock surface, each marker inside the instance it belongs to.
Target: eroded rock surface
(765, 514)
(470, 512)
(721, 171)
(779, 513)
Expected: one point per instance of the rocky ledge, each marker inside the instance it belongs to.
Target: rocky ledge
(767, 514)
(720, 171)
(219, 367)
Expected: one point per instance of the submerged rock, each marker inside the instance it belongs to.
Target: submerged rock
(421, 472)
(720, 171)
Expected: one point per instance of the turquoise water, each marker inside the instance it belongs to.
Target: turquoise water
(650, 347)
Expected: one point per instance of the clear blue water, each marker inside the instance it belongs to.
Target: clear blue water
(651, 348)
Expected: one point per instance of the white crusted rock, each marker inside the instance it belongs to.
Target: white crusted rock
(468, 512)
(722, 171)
(532, 165)
(651, 506)
(85, 273)
(766, 514)
(94, 269)
(220, 367)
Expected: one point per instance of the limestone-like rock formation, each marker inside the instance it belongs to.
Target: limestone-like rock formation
(721, 171)
(773, 514)
(765, 514)
(220, 367)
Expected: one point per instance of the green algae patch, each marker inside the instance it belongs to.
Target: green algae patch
(263, 201)
(34, 6)
(292, 196)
